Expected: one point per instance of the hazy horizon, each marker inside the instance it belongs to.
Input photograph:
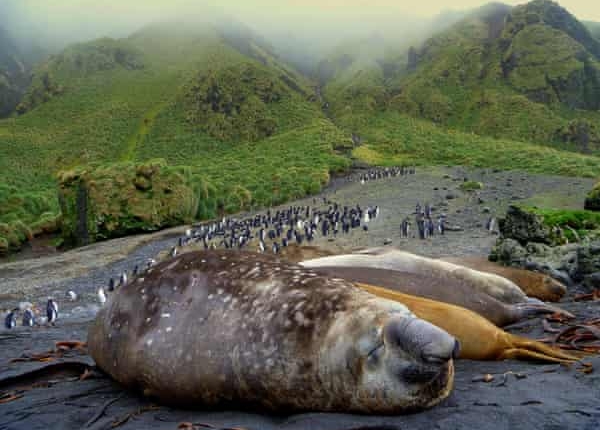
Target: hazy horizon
(321, 23)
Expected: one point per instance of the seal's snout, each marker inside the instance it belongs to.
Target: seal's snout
(421, 339)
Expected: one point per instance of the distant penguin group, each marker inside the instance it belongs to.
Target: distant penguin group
(379, 173)
(426, 227)
(28, 317)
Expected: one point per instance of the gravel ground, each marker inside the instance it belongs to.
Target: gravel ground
(547, 397)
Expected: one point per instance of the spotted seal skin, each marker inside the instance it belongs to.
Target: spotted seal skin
(219, 327)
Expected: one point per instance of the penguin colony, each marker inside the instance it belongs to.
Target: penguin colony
(269, 232)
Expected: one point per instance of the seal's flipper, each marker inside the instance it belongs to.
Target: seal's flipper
(535, 308)
(524, 354)
(537, 350)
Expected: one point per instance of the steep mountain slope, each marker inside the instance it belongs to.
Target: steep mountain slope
(526, 73)
(13, 74)
(530, 73)
(209, 97)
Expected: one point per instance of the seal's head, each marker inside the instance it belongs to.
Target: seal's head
(553, 290)
(215, 327)
(387, 359)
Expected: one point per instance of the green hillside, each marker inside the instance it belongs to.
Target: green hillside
(392, 138)
(211, 99)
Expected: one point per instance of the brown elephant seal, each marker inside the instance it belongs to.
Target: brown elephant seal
(534, 284)
(448, 290)
(500, 288)
(480, 339)
(220, 327)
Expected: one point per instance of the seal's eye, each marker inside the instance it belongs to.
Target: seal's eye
(374, 355)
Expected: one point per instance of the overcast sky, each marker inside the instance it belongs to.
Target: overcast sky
(70, 20)
(583, 9)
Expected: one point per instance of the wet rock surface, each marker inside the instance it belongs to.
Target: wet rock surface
(532, 396)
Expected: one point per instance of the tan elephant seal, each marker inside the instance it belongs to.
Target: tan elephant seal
(534, 284)
(232, 328)
(480, 339)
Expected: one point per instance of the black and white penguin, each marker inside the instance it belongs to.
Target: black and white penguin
(173, 253)
(51, 311)
(28, 318)
(10, 321)
(123, 280)
(111, 285)
(101, 296)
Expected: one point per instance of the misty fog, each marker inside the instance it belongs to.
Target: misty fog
(301, 30)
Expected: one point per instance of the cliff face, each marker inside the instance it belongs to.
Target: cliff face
(14, 74)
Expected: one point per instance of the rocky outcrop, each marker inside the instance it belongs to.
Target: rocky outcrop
(524, 227)
(528, 243)
(592, 201)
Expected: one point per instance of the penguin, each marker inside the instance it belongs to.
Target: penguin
(275, 248)
(261, 246)
(111, 284)
(365, 227)
(123, 280)
(136, 270)
(10, 321)
(28, 318)
(173, 255)
(284, 242)
(101, 296)
(51, 311)
(261, 234)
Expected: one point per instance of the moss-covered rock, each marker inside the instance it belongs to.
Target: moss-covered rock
(524, 227)
(115, 200)
(592, 201)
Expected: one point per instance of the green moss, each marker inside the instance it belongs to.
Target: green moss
(471, 186)
(582, 222)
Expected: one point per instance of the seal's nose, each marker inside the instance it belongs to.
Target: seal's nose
(421, 339)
